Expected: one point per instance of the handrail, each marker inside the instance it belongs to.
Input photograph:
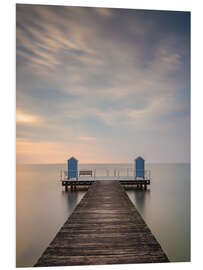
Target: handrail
(117, 173)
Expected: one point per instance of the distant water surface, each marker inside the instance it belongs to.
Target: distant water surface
(42, 207)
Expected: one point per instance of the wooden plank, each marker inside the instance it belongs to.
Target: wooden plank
(105, 228)
(138, 183)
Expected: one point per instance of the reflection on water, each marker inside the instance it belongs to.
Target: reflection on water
(140, 198)
(72, 198)
(42, 207)
(166, 208)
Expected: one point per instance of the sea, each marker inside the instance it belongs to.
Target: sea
(42, 206)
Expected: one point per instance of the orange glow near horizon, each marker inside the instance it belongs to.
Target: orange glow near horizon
(52, 152)
(106, 100)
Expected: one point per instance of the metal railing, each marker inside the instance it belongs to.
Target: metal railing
(106, 173)
(144, 174)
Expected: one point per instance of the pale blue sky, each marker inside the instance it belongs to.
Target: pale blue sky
(104, 85)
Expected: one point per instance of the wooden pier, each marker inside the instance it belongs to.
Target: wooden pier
(75, 184)
(105, 228)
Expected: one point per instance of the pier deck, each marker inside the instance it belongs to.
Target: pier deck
(74, 184)
(105, 228)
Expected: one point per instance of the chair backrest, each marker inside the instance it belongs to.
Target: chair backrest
(87, 172)
(139, 167)
(72, 168)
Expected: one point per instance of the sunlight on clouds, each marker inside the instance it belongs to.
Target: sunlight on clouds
(103, 11)
(136, 114)
(28, 151)
(90, 74)
(87, 138)
(24, 118)
(154, 108)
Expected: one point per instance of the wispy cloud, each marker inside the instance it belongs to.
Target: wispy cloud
(28, 119)
(103, 11)
(87, 138)
(95, 72)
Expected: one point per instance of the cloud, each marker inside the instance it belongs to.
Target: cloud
(94, 72)
(87, 138)
(103, 11)
(29, 151)
(27, 119)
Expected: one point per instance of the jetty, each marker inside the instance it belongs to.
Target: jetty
(73, 185)
(104, 228)
(74, 178)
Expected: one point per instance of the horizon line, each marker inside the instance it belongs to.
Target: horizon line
(98, 163)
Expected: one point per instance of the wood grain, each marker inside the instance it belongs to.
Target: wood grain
(105, 228)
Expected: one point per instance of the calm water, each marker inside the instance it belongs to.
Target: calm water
(42, 207)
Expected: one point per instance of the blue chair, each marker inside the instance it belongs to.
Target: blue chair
(72, 168)
(139, 168)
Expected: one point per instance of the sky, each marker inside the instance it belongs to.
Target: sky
(103, 85)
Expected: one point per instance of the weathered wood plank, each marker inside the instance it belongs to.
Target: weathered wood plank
(105, 228)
